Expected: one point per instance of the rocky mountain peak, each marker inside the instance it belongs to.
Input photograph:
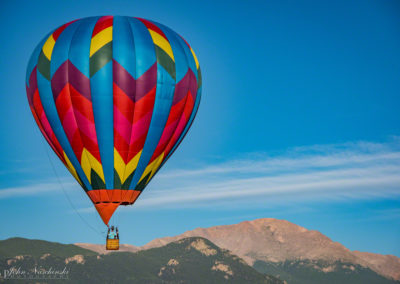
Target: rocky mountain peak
(273, 240)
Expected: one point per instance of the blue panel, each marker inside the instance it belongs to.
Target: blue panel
(162, 106)
(33, 60)
(177, 39)
(181, 59)
(123, 45)
(80, 45)
(46, 96)
(61, 48)
(144, 47)
(192, 65)
(188, 52)
(184, 132)
(101, 85)
(187, 127)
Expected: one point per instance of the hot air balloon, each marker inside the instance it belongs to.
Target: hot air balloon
(113, 96)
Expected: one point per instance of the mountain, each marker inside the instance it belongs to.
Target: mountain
(278, 243)
(388, 265)
(268, 240)
(318, 271)
(248, 252)
(189, 260)
(37, 248)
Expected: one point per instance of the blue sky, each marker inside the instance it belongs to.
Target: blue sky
(299, 120)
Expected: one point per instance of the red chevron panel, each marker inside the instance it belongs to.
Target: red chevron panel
(181, 124)
(73, 102)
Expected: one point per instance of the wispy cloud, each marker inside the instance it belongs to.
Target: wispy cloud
(322, 172)
(36, 189)
(346, 171)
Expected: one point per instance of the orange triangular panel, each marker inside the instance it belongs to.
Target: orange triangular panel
(106, 210)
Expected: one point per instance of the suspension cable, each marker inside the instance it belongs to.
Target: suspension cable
(65, 193)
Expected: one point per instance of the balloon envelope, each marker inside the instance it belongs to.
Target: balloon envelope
(114, 97)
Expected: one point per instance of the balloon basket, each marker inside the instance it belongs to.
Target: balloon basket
(112, 244)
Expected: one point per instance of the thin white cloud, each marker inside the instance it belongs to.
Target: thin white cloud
(293, 161)
(35, 189)
(347, 171)
(321, 172)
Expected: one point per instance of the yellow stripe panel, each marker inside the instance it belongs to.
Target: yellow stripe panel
(152, 167)
(71, 168)
(85, 164)
(195, 58)
(89, 162)
(48, 47)
(162, 43)
(101, 39)
(159, 160)
(119, 164)
(131, 166)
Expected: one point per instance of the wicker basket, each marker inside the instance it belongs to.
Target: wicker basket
(112, 244)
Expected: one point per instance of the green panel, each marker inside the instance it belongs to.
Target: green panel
(96, 181)
(199, 80)
(43, 65)
(142, 184)
(100, 58)
(165, 61)
(128, 181)
(117, 181)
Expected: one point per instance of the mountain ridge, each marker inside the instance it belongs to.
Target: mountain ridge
(277, 241)
(189, 260)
